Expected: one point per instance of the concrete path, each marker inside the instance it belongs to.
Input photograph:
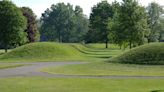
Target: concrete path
(33, 69)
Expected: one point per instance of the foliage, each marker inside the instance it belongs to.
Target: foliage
(155, 12)
(147, 54)
(12, 25)
(99, 18)
(31, 30)
(132, 23)
(63, 23)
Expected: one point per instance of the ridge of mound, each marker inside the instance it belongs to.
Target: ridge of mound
(152, 53)
(42, 50)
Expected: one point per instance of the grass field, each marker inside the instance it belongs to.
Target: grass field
(104, 68)
(80, 85)
(95, 55)
(4, 66)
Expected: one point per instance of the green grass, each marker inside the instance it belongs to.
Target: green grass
(102, 46)
(4, 66)
(79, 85)
(152, 53)
(97, 52)
(45, 51)
(104, 68)
(49, 51)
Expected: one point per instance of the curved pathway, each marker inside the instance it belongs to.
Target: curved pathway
(33, 69)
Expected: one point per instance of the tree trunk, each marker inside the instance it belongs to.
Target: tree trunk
(130, 44)
(60, 40)
(6, 48)
(106, 43)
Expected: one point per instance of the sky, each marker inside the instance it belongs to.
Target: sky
(39, 6)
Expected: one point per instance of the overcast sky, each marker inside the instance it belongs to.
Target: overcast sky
(39, 6)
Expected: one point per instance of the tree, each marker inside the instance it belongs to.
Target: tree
(114, 25)
(64, 24)
(99, 18)
(32, 31)
(161, 30)
(133, 22)
(12, 25)
(81, 25)
(154, 11)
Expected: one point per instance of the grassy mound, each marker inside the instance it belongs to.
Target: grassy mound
(147, 54)
(44, 51)
(50, 51)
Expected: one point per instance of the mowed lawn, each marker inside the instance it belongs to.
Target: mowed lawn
(104, 68)
(80, 85)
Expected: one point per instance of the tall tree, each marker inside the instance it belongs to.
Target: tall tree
(63, 23)
(12, 25)
(99, 18)
(32, 31)
(133, 22)
(154, 12)
(81, 25)
(161, 29)
(114, 25)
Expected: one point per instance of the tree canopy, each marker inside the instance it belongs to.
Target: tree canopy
(32, 31)
(133, 22)
(63, 23)
(155, 12)
(12, 25)
(99, 18)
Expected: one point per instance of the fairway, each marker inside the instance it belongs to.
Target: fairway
(107, 69)
(38, 84)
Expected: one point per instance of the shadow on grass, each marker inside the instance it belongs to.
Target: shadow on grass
(157, 91)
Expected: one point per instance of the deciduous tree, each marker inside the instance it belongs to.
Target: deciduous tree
(12, 25)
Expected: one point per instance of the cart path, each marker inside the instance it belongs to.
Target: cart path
(33, 69)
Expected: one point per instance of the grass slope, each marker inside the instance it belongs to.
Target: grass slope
(44, 51)
(48, 51)
(80, 85)
(147, 54)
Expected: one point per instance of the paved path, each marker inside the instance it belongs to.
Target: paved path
(33, 69)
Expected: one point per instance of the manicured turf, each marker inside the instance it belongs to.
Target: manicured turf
(152, 53)
(102, 46)
(4, 66)
(104, 68)
(45, 51)
(79, 85)
(49, 51)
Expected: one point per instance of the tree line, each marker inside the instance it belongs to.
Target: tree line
(127, 24)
